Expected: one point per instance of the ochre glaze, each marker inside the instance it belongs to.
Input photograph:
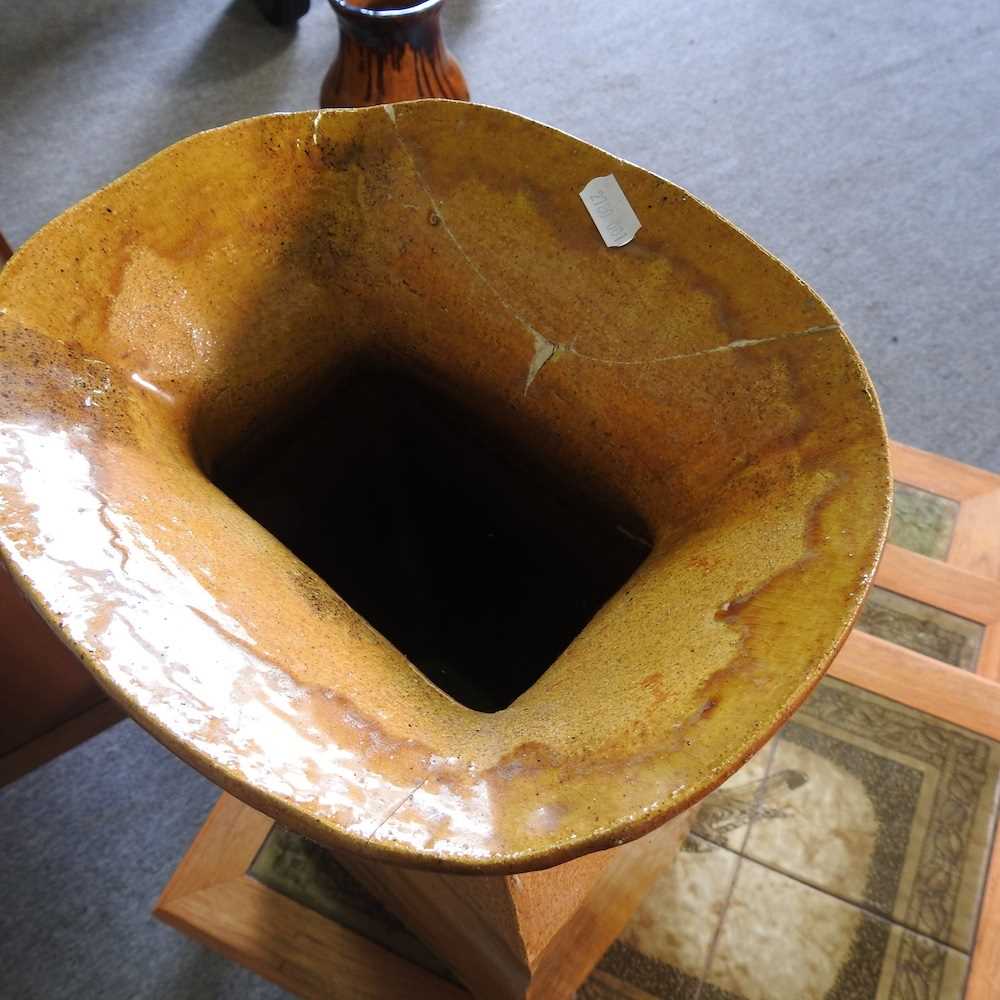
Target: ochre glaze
(173, 317)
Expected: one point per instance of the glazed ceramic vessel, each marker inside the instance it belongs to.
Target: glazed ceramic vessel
(355, 465)
(390, 50)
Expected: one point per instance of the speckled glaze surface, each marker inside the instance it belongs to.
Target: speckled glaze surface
(172, 315)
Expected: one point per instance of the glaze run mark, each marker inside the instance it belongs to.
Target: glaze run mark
(533, 758)
(114, 537)
(654, 686)
(738, 612)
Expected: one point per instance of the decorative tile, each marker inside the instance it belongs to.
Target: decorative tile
(664, 949)
(782, 939)
(298, 868)
(893, 809)
(724, 816)
(922, 628)
(865, 832)
(922, 522)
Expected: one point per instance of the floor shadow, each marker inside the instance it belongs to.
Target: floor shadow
(241, 40)
(43, 41)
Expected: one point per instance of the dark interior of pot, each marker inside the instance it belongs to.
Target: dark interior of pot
(475, 557)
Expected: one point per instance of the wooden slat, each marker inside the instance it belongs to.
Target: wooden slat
(64, 737)
(938, 474)
(939, 584)
(984, 971)
(223, 850)
(913, 679)
(42, 684)
(300, 950)
(989, 655)
(210, 897)
(976, 543)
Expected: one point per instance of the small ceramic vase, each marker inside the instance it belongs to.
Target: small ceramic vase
(390, 51)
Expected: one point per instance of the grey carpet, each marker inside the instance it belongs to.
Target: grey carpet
(858, 140)
(86, 844)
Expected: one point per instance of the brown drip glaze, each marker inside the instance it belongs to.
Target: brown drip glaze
(390, 52)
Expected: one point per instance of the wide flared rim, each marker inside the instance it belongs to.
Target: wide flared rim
(635, 800)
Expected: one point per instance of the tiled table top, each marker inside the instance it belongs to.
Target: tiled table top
(845, 862)
(299, 869)
(921, 627)
(848, 860)
(922, 521)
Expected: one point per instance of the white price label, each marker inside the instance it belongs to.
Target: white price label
(610, 210)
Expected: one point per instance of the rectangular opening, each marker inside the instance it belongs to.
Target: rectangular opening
(476, 559)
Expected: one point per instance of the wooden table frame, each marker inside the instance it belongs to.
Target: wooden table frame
(966, 583)
(211, 897)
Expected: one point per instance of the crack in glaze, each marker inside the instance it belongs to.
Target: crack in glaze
(544, 352)
(733, 345)
(541, 341)
(399, 805)
(621, 529)
(546, 349)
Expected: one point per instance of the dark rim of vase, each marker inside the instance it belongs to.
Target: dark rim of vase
(348, 8)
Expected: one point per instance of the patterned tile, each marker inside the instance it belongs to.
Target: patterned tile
(922, 522)
(892, 809)
(865, 832)
(297, 868)
(922, 628)
(724, 816)
(782, 939)
(664, 949)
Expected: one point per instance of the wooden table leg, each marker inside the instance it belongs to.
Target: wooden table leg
(536, 935)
